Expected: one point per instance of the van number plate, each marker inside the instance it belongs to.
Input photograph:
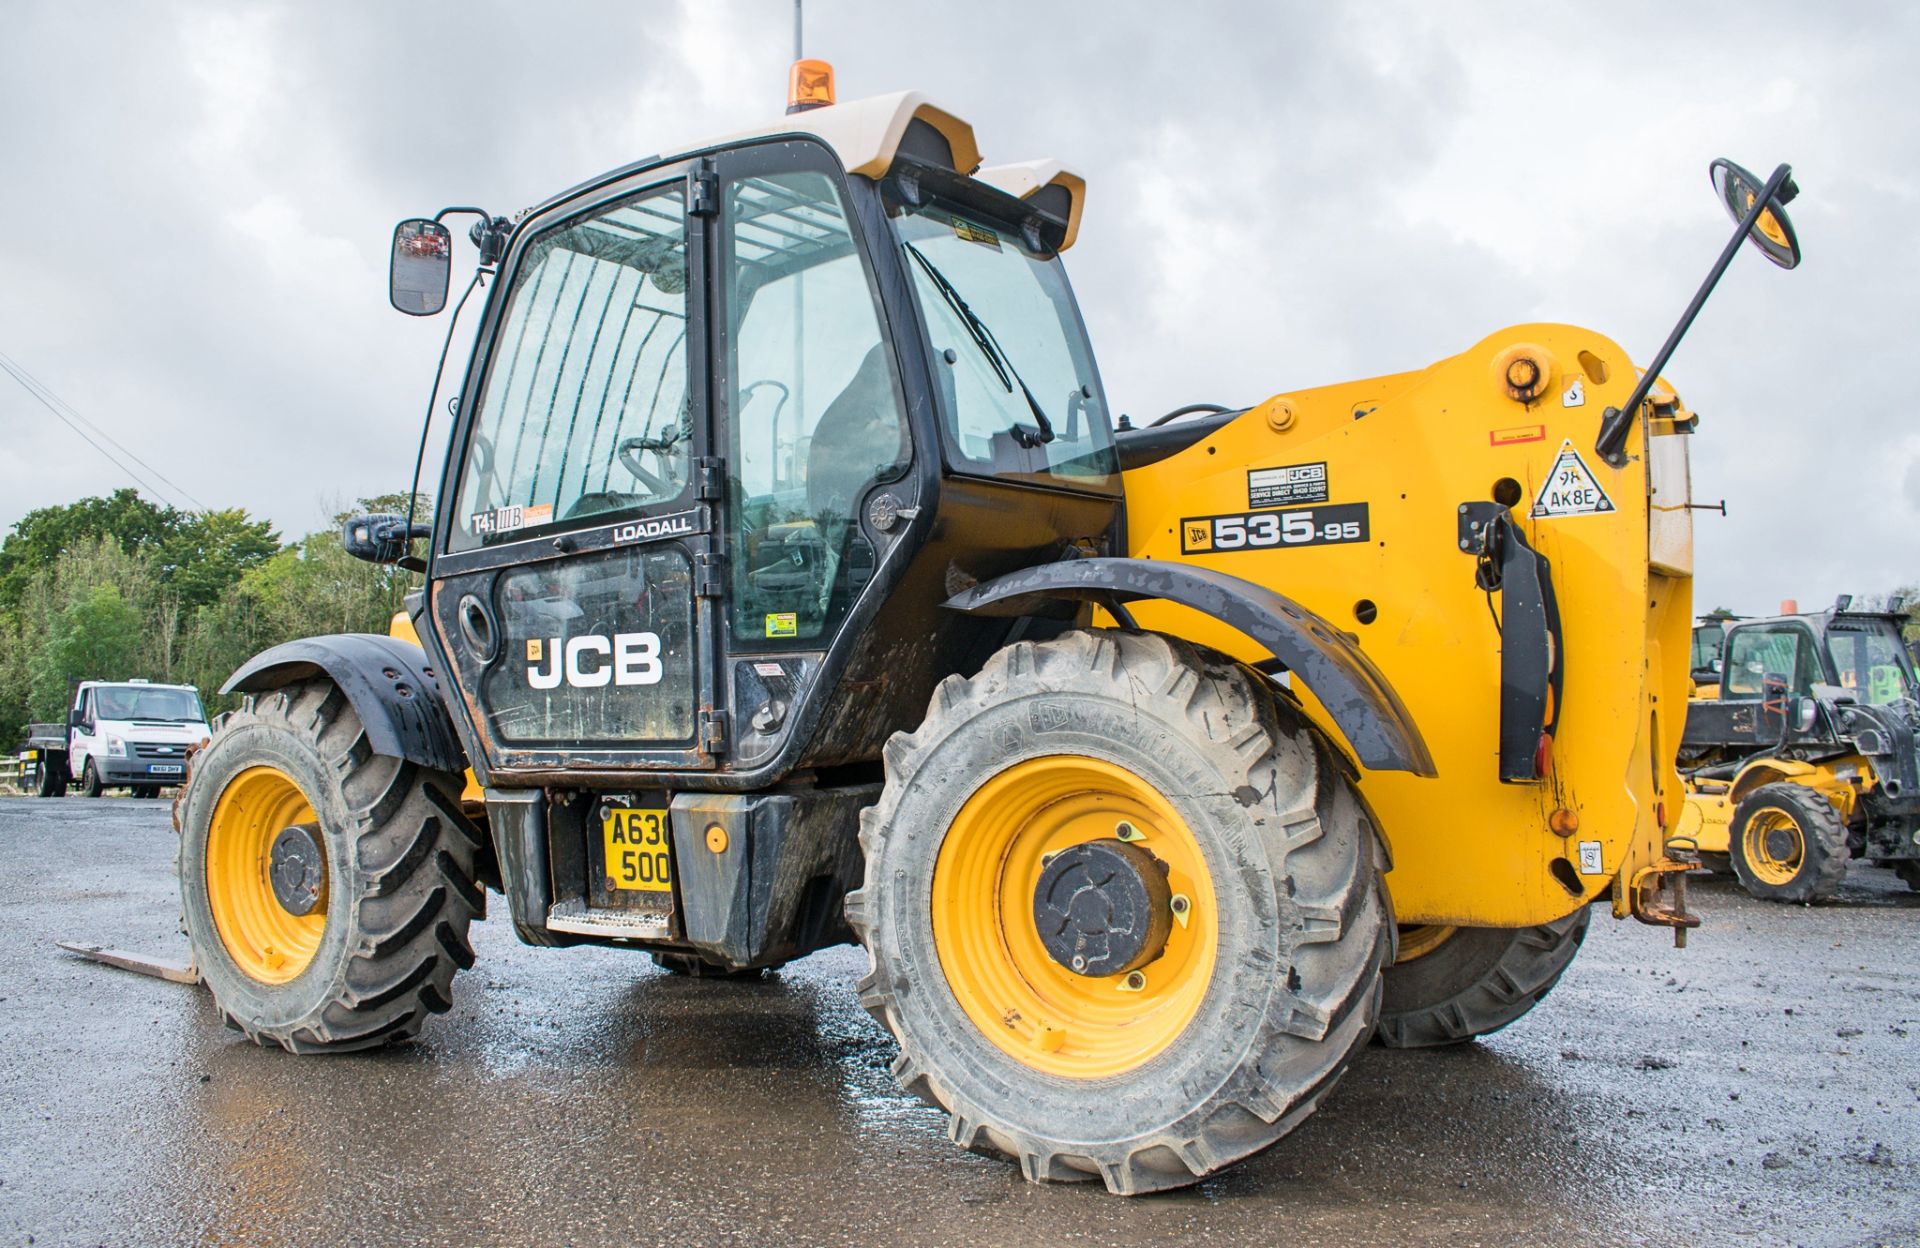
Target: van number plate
(1330, 524)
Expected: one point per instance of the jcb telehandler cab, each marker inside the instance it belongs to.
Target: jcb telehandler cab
(1806, 753)
(791, 584)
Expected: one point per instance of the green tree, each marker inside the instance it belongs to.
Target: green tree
(48, 534)
(108, 588)
(97, 636)
(207, 553)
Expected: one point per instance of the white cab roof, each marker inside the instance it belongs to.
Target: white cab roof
(866, 135)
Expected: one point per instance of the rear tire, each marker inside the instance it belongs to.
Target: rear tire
(1474, 981)
(1247, 1015)
(90, 785)
(52, 780)
(380, 948)
(1909, 872)
(1788, 844)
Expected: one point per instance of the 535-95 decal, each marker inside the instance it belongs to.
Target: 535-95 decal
(1326, 525)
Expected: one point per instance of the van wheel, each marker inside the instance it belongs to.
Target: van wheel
(90, 785)
(1788, 844)
(53, 777)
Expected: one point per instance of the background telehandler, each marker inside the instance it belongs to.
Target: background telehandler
(790, 584)
(1802, 755)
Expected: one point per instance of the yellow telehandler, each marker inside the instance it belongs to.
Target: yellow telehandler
(791, 583)
(1799, 753)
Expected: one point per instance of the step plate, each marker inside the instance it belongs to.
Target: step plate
(577, 917)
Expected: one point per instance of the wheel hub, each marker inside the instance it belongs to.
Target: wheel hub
(1103, 908)
(296, 867)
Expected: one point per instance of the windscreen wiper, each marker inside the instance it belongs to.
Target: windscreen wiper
(989, 347)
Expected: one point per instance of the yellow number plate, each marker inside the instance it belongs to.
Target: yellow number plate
(637, 855)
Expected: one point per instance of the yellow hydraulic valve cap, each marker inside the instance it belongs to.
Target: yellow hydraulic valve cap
(716, 838)
(1523, 372)
(809, 85)
(1279, 413)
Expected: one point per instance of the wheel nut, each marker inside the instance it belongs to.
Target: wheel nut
(1134, 982)
(1127, 832)
(1181, 907)
(1079, 963)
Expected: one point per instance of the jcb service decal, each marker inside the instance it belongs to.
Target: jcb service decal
(1331, 525)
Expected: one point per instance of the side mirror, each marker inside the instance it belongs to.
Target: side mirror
(421, 265)
(1772, 233)
(1759, 215)
(76, 719)
(380, 538)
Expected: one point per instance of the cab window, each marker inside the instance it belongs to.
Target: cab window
(1754, 654)
(1012, 363)
(1871, 664)
(585, 405)
(816, 414)
(1707, 640)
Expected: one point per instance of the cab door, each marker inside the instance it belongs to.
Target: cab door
(81, 735)
(570, 585)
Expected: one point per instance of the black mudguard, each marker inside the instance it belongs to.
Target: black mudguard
(1375, 722)
(392, 689)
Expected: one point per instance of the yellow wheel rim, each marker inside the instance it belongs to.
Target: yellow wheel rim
(1035, 1010)
(1774, 846)
(264, 941)
(1419, 940)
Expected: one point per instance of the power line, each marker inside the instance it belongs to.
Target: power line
(54, 403)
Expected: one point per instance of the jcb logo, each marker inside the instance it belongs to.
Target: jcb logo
(634, 660)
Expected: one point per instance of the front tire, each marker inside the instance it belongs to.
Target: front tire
(1214, 1046)
(1788, 844)
(381, 858)
(1455, 984)
(1909, 872)
(90, 785)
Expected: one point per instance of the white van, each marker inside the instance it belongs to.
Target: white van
(119, 734)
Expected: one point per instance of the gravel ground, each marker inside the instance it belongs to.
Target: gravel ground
(1758, 1087)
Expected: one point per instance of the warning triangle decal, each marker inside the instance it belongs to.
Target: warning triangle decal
(1570, 489)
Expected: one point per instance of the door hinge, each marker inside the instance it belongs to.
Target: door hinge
(707, 575)
(709, 478)
(703, 193)
(713, 732)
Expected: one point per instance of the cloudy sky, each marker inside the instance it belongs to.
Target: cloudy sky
(195, 202)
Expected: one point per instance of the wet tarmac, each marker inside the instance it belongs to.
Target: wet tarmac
(1759, 1087)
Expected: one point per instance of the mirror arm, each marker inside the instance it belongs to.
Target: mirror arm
(489, 233)
(1617, 421)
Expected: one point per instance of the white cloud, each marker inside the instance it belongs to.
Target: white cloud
(193, 238)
